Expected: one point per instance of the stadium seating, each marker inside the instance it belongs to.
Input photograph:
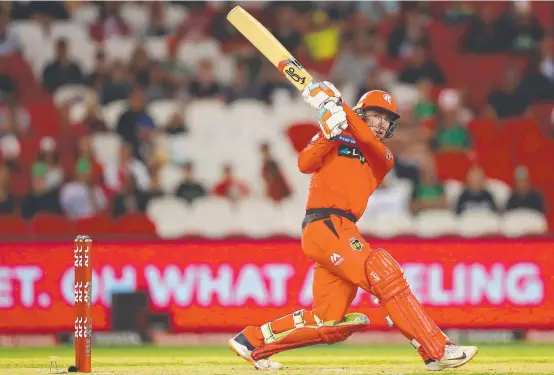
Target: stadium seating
(222, 133)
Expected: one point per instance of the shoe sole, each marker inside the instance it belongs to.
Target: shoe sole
(238, 353)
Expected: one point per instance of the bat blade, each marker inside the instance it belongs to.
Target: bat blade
(269, 46)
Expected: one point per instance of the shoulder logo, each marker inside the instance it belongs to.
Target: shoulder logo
(355, 244)
(388, 154)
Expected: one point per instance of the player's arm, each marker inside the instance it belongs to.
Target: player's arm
(310, 159)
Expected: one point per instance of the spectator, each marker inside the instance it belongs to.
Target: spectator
(156, 26)
(406, 36)
(451, 134)
(139, 66)
(136, 126)
(524, 196)
(117, 86)
(534, 85)
(176, 125)
(83, 197)
(100, 73)
(48, 161)
(372, 81)
(85, 152)
(425, 108)
(286, 31)
(229, 186)
(62, 70)
(222, 30)
(158, 85)
(276, 186)
(109, 23)
(481, 36)
(205, 84)
(10, 150)
(40, 198)
(272, 81)
(241, 87)
(154, 169)
(7, 200)
(475, 196)
(420, 65)
(508, 100)
(177, 73)
(115, 172)
(379, 10)
(129, 199)
(323, 40)
(429, 192)
(93, 117)
(67, 141)
(355, 60)
(10, 41)
(518, 29)
(190, 189)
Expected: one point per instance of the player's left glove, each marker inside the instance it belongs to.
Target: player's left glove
(332, 119)
(317, 94)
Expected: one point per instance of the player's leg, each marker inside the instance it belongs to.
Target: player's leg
(378, 273)
(325, 323)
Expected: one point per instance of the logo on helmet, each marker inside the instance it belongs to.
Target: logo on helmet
(387, 98)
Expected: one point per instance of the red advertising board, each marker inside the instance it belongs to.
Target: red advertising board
(223, 286)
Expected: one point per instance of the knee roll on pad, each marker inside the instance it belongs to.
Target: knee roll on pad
(385, 276)
(324, 333)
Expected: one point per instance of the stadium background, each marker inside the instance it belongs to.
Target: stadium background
(155, 128)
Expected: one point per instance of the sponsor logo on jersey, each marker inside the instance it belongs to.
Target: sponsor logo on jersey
(351, 152)
(336, 259)
(346, 139)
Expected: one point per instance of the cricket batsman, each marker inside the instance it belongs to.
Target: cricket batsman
(347, 160)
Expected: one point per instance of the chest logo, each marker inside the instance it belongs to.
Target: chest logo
(351, 152)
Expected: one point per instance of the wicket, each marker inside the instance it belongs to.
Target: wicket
(82, 255)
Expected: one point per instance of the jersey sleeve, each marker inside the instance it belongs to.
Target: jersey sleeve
(310, 159)
(380, 156)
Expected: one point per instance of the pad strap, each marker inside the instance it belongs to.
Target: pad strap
(298, 318)
(268, 334)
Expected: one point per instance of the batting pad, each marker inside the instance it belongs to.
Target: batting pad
(329, 332)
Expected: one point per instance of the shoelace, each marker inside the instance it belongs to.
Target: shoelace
(452, 350)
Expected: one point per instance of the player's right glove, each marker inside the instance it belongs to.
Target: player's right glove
(332, 119)
(317, 94)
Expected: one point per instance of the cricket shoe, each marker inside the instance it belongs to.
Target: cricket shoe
(240, 345)
(454, 356)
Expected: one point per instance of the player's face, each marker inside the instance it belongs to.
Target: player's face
(377, 122)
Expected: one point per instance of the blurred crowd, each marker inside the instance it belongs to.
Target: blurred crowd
(358, 46)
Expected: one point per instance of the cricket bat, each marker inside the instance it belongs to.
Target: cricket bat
(270, 47)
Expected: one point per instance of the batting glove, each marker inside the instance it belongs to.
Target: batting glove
(317, 94)
(332, 119)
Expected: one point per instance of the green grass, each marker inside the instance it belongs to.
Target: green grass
(336, 359)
